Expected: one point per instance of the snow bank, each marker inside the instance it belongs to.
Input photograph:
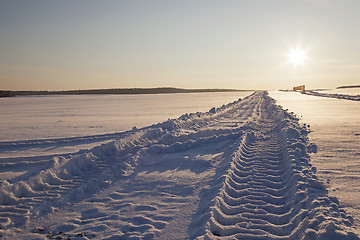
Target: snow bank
(333, 95)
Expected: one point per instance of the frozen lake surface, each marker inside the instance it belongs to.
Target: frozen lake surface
(35, 117)
(32, 125)
(335, 125)
(247, 169)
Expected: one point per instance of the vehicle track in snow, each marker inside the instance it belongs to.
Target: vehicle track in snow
(240, 171)
(256, 200)
(270, 190)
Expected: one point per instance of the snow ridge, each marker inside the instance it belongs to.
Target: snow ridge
(333, 95)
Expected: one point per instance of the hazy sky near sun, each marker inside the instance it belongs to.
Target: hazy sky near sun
(82, 44)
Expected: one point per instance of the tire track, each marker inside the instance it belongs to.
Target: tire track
(270, 190)
(245, 165)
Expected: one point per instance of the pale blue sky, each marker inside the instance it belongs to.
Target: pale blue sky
(82, 44)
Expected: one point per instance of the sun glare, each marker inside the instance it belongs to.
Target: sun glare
(297, 56)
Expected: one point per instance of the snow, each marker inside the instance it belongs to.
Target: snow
(83, 115)
(335, 130)
(333, 95)
(29, 124)
(241, 170)
(345, 91)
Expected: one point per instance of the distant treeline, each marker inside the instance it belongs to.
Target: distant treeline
(355, 86)
(4, 93)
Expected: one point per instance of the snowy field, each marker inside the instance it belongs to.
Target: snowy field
(35, 117)
(242, 170)
(29, 124)
(335, 125)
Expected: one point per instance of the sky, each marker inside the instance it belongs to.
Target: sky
(242, 44)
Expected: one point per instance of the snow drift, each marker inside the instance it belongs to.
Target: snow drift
(333, 95)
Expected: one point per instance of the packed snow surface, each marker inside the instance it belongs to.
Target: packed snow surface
(239, 171)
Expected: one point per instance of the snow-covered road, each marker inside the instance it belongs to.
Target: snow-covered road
(238, 171)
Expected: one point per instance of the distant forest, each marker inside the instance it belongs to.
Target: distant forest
(4, 93)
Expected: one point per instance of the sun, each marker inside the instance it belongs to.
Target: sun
(297, 56)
